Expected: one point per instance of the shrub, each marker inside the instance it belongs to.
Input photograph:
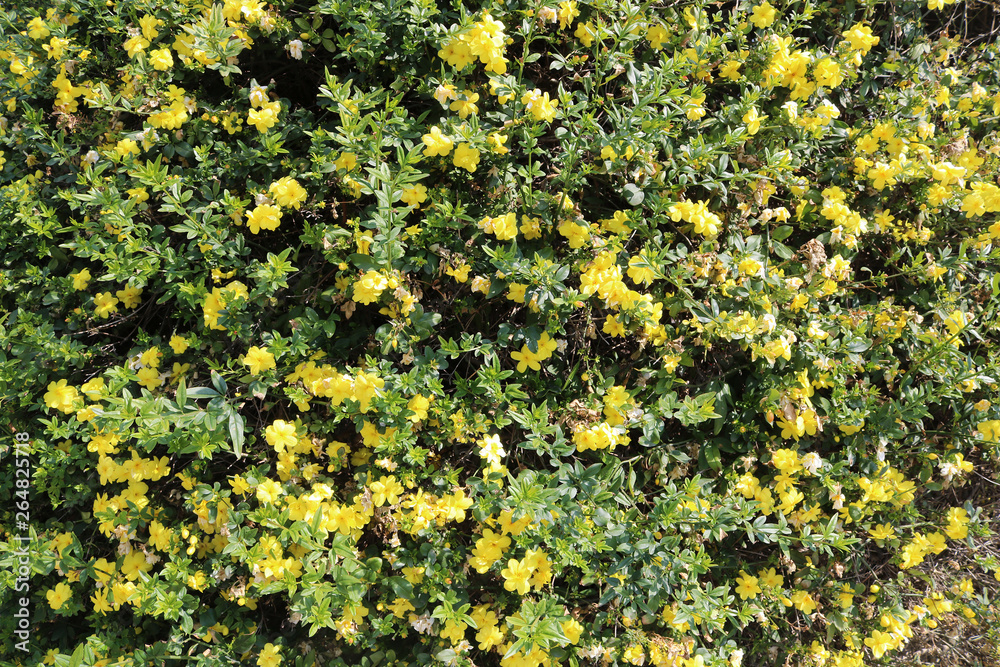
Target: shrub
(498, 333)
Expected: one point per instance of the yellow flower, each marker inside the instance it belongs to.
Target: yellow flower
(913, 554)
(445, 92)
(466, 106)
(958, 523)
(497, 141)
(705, 222)
(882, 175)
(516, 576)
(37, 28)
(882, 531)
(100, 600)
(770, 578)
(567, 12)
(828, 73)
(269, 656)
(148, 25)
(730, 70)
(466, 157)
(59, 595)
(657, 35)
(103, 444)
(386, 490)
(105, 305)
(161, 60)
(578, 235)
(259, 360)
(459, 273)
(955, 322)
(264, 118)
(178, 344)
(414, 575)
(634, 655)
(281, 435)
(414, 195)
(860, 38)
(572, 629)
(264, 216)
(492, 450)
(747, 586)
(370, 287)
(938, 4)
(851, 429)
(61, 397)
(80, 279)
(436, 143)
(763, 15)
(135, 45)
(400, 607)
(879, 642)
(287, 192)
(792, 429)
(239, 485)
(803, 601)
(695, 111)
(539, 105)
(269, 491)
(585, 33)
(346, 161)
(149, 377)
(129, 296)
(126, 147)
(613, 326)
(752, 120)
(528, 359)
(170, 118)
(481, 284)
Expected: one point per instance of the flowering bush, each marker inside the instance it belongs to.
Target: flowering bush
(503, 334)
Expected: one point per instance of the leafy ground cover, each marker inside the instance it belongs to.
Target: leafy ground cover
(510, 333)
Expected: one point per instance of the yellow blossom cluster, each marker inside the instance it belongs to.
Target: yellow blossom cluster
(486, 40)
(287, 192)
(504, 227)
(532, 571)
(697, 213)
(371, 285)
(526, 358)
(604, 278)
(219, 299)
(326, 382)
(264, 114)
(600, 436)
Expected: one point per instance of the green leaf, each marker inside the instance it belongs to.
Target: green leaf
(83, 656)
(858, 345)
(782, 233)
(219, 383)
(782, 251)
(181, 393)
(712, 458)
(236, 431)
(634, 194)
(244, 643)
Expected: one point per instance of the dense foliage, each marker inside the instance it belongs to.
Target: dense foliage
(509, 333)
